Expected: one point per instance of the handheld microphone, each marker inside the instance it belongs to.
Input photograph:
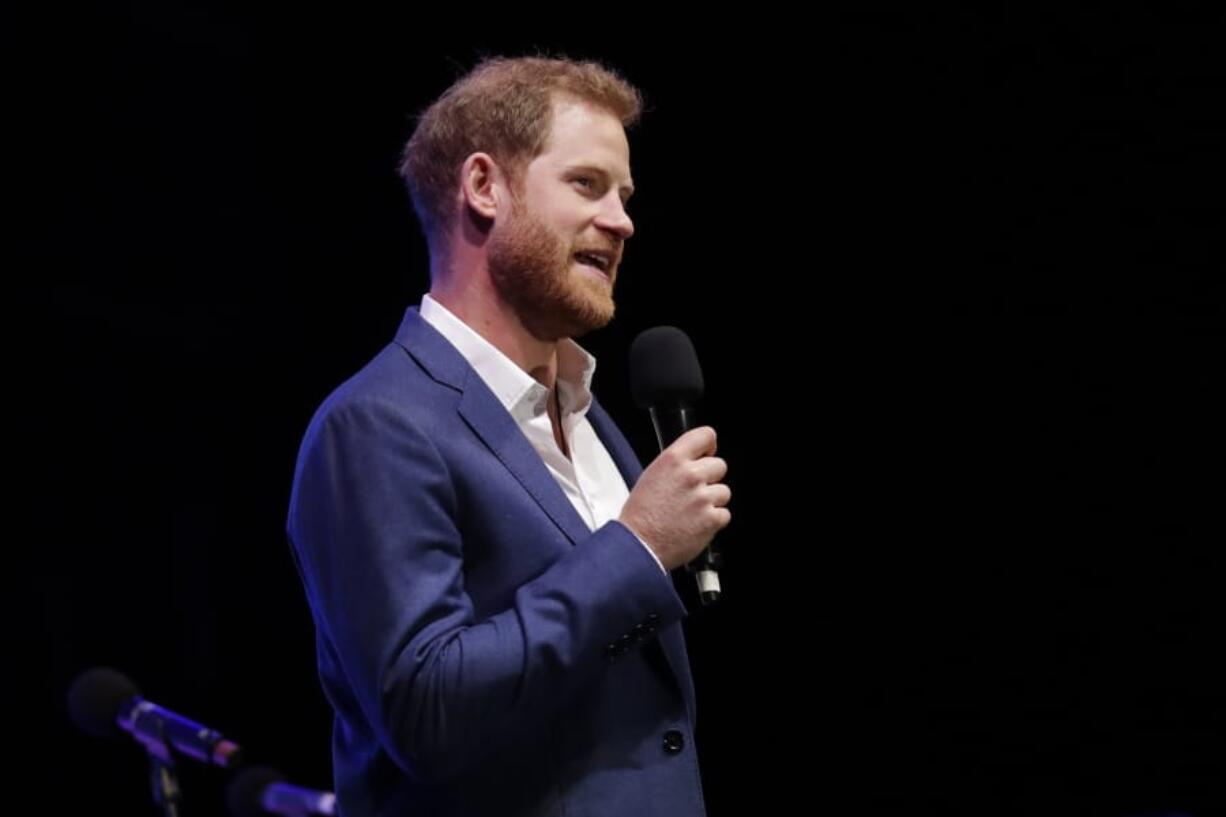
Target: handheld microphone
(665, 379)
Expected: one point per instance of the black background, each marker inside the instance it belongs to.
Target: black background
(957, 293)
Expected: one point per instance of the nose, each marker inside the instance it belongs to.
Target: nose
(613, 218)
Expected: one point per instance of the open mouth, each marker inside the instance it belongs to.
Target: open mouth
(597, 261)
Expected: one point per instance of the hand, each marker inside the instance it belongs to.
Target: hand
(679, 503)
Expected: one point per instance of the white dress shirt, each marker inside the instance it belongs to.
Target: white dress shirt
(589, 477)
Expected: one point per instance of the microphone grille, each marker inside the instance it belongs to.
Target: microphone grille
(94, 700)
(245, 791)
(664, 369)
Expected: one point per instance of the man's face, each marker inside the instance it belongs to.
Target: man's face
(555, 258)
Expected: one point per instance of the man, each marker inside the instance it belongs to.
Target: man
(497, 631)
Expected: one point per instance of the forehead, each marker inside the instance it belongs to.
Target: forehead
(583, 134)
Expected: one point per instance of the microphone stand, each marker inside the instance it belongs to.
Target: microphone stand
(165, 783)
(163, 775)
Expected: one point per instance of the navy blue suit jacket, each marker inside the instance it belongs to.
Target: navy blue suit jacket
(484, 651)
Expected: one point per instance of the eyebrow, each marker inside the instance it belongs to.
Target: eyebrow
(627, 190)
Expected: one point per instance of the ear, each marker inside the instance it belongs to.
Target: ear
(483, 185)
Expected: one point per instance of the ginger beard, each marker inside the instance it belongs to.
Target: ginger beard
(536, 272)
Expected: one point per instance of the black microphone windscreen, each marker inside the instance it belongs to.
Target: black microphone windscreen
(247, 788)
(94, 700)
(664, 369)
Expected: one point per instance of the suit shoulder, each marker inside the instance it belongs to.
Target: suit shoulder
(392, 381)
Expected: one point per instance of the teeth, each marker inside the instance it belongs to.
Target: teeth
(597, 261)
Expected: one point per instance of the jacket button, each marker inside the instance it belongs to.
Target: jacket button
(674, 742)
(642, 631)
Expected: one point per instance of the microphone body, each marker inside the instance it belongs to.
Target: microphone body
(670, 422)
(261, 790)
(105, 702)
(156, 727)
(294, 801)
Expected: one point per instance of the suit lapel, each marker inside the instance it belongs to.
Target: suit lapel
(490, 421)
(498, 430)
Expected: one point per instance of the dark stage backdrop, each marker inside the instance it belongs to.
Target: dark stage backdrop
(958, 295)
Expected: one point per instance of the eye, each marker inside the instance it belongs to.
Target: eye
(586, 182)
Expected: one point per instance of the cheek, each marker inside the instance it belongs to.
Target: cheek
(561, 224)
(561, 213)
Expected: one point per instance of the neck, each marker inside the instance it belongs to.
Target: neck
(474, 301)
